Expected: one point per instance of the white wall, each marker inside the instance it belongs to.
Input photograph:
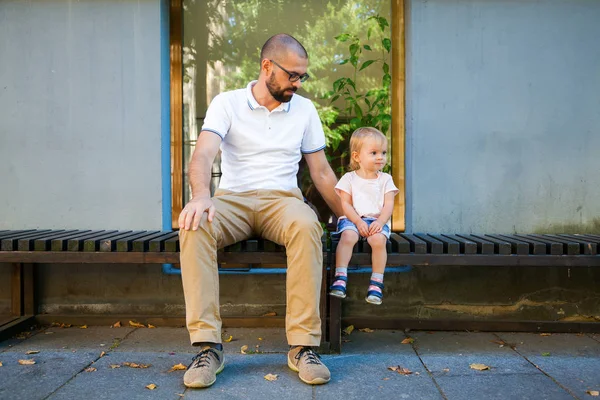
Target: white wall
(80, 114)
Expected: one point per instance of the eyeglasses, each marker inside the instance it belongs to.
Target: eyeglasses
(293, 77)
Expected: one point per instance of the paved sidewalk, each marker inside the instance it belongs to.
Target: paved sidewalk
(69, 365)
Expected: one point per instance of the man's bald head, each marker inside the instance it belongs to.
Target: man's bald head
(282, 44)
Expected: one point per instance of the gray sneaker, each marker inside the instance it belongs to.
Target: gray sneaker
(204, 368)
(309, 366)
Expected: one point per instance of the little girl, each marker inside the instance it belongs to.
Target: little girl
(367, 196)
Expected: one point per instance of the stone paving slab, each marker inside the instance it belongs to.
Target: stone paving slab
(578, 375)
(514, 386)
(51, 370)
(456, 343)
(384, 341)
(556, 343)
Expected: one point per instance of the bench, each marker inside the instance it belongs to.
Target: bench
(26, 248)
(470, 250)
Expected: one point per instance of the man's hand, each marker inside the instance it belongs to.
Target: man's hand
(375, 227)
(363, 228)
(192, 212)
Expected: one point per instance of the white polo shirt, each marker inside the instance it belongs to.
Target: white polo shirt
(262, 149)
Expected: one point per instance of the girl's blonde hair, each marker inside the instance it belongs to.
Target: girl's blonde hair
(357, 140)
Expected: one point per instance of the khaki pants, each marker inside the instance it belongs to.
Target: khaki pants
(276, 215)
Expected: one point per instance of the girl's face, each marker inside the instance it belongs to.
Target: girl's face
(372, 156)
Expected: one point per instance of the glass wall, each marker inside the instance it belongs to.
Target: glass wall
(222, 41)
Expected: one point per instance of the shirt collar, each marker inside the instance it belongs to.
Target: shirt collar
(253, 104)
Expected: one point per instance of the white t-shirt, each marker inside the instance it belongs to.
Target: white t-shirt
(262, 149)
(367, 194)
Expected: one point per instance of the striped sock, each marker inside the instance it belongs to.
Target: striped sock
(340, 271)
(377, 278)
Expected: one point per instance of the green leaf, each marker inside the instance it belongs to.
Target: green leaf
(354, 61)
(382, 23)
(355, 123)
(366, 64)
(369, 32)
(334, 98)
(354, 48)
(386, 68)
(344, 61)
(351, 83)
(343, 37)
(367, 47)
(387, 80)
(387, 44)
(339, 84)
(358, 110)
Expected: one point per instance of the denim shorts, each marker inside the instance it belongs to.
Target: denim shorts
(345, 224)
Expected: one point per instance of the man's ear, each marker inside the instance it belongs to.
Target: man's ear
(266, 66)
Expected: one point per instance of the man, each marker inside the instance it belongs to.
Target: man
(263, 131)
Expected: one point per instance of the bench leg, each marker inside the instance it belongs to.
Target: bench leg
(22, 300)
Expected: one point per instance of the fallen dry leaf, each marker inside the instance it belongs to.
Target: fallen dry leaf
(136, 324)
(229, 339)
(151, 386)
(348, 330)
(117, 324)
(367, 330)
(0, 363)
(408, 340)
(385, 379)
(113, 366)
(243, 349)
(499, 342)
(479, 367)
(178, 367)
(26, 362)
(136, 365)
(32, 352)
(271, 377)
(270, 314)
(90, 369)
(83, 327)
(48, 333)
(260, 338)
(23, 335)
(102, 354)
(545, 334)
(400, 370)
(594, 393)
(446, 370)
(151, 326)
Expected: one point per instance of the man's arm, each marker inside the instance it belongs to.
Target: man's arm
(324, 179)
(204, 155)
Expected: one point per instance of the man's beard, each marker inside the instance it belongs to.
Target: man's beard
(277, 92)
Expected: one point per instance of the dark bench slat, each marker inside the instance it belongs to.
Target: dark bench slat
(93, 244)
(76, 244)
(9, 233)
(10, 243)
(274, 247)
(588, 246)
(516, 246)
(483, 246)
(569, 246)
(45, 243)
(250, 245)
(591, 238)
(535, 247)
(417, 245)
(125, 244)
(142, 244)
(434, 246)
(158, 244)
(399, 244)
(451, 246)
(109, 244)
(466, 246)
(26, 243)
(60, 243)
(234, 248)
(172, 245)
(552, 248)
(501, 247)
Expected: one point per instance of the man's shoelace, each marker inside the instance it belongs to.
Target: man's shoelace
(311, 356)
(202, 359)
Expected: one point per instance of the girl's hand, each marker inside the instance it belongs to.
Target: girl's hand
(363, 228)
(375, 227)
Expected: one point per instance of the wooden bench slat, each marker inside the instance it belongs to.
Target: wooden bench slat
(234, 248)
(26, 243)
(451, 246)
(501, 247)
(9, 243)
(590, 238)
(109, 244)
(535, 248)
(250, 245)
(552, 248)
(60, 243)
(142, 244)
(483, 246)
(399, 244)
(93, 243)
(569, 246)
(158, 244)
(9, 233)
(172, 245)
(76, 244)
(434, 246)
(466, 246)
(45, 243)
(274, 247)
(417, 245)
(516, 246)
(125, 244)
(586, 246)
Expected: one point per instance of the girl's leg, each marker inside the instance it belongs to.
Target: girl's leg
(342, 256)
(378, 259)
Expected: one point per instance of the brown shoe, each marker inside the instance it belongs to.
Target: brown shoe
(309, 366)
(204, 368)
